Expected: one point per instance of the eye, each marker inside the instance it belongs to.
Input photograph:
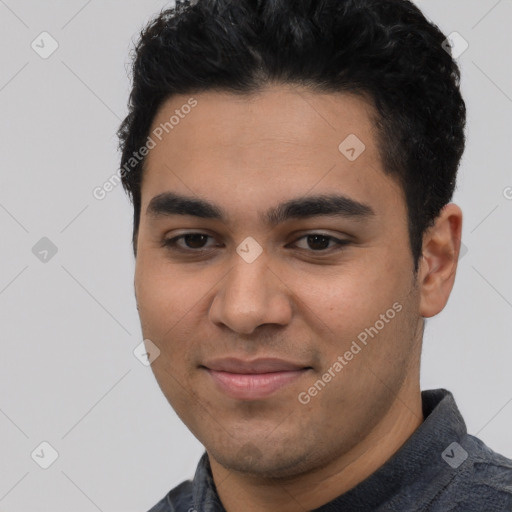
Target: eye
(318, 242)
(194, 242)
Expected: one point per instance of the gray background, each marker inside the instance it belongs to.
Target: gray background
(69, 324)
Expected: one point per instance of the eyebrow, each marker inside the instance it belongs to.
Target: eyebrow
(335, 205)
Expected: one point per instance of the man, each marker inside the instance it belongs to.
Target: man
(290, 165)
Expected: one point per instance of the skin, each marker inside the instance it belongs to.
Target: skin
(295, 302)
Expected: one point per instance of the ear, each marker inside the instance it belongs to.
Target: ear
(438, 264)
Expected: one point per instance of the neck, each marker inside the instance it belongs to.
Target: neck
(314, 489)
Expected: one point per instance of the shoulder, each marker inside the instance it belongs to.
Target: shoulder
(490, 470)
(482, 480)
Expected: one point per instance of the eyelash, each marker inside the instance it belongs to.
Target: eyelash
(171, 243)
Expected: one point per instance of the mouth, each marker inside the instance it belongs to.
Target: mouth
(253, 380)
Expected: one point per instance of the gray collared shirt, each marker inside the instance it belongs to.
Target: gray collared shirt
(440, 468)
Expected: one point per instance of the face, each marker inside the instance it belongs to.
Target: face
(287, 323)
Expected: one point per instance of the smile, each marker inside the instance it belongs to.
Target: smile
(252, 380)
(253, 386)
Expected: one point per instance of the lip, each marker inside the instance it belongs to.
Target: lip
(256, 366)
(252, 380)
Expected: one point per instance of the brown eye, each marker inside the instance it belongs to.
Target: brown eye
(318, 242)
(192, 241)
(195, 241)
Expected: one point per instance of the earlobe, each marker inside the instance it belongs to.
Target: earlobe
(438, 265)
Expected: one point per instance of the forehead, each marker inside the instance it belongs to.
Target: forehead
(261, 148)
(277, 116)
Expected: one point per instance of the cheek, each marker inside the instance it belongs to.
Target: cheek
(171, 312)
(164, 302)
(163, 295)
(362, 314)
(345, 299)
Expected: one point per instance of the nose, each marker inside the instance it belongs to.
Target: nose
(250, 295)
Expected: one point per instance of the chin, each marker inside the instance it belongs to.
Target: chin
(259, 461)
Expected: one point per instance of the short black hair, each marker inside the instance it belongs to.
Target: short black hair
(383, 50)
